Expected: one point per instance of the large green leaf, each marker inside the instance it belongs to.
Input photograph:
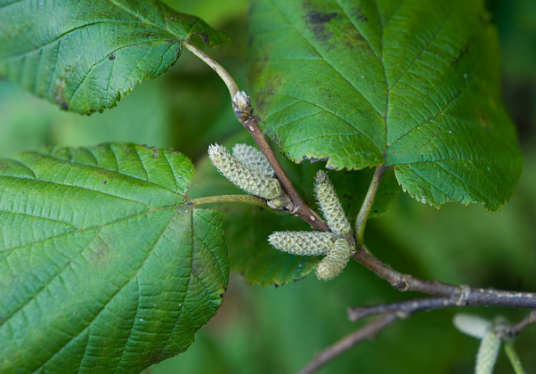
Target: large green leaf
(410, 84)
(86, 55)
(248, 227)
(104, 264)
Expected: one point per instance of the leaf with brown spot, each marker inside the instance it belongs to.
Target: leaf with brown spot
(412, 85)
(86, 55)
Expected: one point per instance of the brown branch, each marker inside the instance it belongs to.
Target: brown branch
(390, 313)
(300, 209)
(515, 329)
(407, 307)
(369, 332)
(463, 295)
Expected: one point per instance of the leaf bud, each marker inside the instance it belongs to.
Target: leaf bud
(242, 105)
(280, 203)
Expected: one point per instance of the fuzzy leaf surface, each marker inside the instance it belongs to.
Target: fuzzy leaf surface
(410, 84)
(86, 55)
(104, 265)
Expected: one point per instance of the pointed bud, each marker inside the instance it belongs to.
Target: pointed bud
(281, 202)
(335, 261)
(253, 158)
(331, 206)
(303, 243)
(242, 105)
(243, 176)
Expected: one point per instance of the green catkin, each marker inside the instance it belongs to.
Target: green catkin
(487, 353)
(335, 261)
(471, 325)
(303, 243)
(331, 206)
(243, 176)
(253, 158)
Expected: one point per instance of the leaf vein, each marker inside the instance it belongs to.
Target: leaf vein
(441, 112)
(326, 61)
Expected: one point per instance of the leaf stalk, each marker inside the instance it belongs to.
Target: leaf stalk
(237, 199)
(220, 70)
(366, 207)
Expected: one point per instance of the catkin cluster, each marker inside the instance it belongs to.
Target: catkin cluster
(248, 175)
(333, 245)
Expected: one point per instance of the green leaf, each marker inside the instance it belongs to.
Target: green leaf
(248, 227)
(412, 85)
(86, 55)
(104, 265)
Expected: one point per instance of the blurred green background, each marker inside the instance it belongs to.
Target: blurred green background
(278, 330)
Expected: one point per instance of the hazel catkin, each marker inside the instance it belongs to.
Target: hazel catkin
(331, 206)
(335, 261)
(303, 243)
(243, 176)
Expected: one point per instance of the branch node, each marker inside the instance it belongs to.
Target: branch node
(463, 295)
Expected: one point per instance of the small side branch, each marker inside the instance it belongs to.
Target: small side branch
(518, 327)
(406, 307)
(369, 332)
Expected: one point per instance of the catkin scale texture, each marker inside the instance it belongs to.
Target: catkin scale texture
(242, 176)
(487, 354)
(253, 158)
(331, 206)
(335, 261)
(303, 243)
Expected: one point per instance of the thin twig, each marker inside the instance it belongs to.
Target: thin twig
(518, 327)
(363, 214)
(407, 306)
(299, 209)
(369, 331)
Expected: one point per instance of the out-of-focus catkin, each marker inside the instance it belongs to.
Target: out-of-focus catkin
(472, 325)
(487, 353)
(303, 243)
(243, 176)
(331, 206)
